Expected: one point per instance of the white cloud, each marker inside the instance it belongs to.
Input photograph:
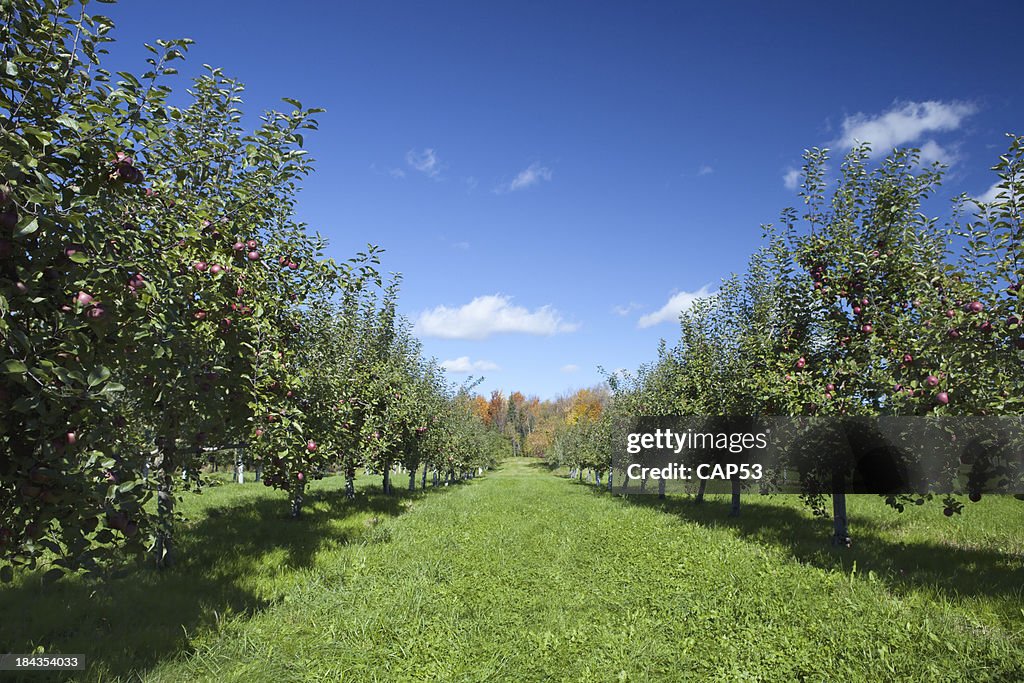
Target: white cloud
(677, 303)
(487, 315)
(570, 368)
(463, 365)
(705, 170)
(529, 176)
(397, 173)
(791, 179)
(462, 246)
(425, 162)
(903, 123)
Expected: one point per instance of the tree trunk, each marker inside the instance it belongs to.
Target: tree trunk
(387, 477)
(412, 478)
(701, 488)
(840, 525)
(164, 475)
(610, 479)
(423, 482)
(734, 509)
(259, 471)
(297, 502)
(350, 482)
(661, 488)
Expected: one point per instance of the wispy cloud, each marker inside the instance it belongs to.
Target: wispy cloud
(932, 151)
(488, 315)
(424, 161)
(528, 177)
(705, 170)
(397, 173)
(990, 196)
(791, 179)
(571, 367)
(903, 123)
(627, 309)
(677, 303)
(461, 246)
(463, 365)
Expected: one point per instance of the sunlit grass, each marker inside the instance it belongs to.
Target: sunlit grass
(525, 576)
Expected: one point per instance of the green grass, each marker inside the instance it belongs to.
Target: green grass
(525, 576)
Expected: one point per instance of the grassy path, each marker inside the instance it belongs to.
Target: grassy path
(522, 576)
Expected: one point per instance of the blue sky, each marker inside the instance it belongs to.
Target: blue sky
(554, 180)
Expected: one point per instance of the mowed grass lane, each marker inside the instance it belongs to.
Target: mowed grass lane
(523, 576)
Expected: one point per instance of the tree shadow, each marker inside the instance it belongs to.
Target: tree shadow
(905, 567)
(126, 625)
(542, 464)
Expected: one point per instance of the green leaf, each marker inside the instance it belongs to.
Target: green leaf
(99, 375)
(79, 257)
(15, 367)
(6, 573)
(52, 575)
(112, 387)
(28, 228)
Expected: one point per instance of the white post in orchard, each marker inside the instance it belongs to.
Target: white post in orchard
(240, 467)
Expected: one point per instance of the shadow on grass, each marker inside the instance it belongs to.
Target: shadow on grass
(904, 567)
(125, 626)
(542, 464)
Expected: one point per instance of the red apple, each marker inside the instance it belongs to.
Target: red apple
(238, 246)
(942, 398)
(83, 299)
(254, 255)
(200, 266)
(976, 307)
(252, 244)
(311, 445)
(932, 381)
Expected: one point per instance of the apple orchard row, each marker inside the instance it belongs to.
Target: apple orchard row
(159, 299)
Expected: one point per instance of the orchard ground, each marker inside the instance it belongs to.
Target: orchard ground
(523, 575)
